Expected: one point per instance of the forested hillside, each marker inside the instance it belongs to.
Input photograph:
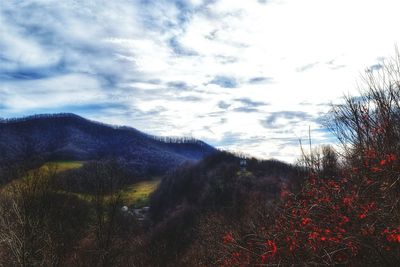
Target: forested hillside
(40, 138)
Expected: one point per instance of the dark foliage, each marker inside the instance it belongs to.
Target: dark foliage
(216, 185)
(115, 175)
(218, 182)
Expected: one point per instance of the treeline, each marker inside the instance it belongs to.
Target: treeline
(59, 116)
(177, 140)
(38, 116)
(84, 180)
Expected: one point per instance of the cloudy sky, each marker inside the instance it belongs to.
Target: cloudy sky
(243, 75)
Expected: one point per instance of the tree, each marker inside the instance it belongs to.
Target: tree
(111, 228)
(371, 121)
(322, 160)
(38, 226)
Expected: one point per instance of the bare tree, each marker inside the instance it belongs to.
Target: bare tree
(39, 225)
(111, 227)
(371, 121)
(322, 160)
(22, 211)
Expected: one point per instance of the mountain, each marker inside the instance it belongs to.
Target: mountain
(70, 137)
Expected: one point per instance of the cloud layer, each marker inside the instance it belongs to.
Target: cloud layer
(243, 75)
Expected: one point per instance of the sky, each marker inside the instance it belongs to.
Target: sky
(249, 76)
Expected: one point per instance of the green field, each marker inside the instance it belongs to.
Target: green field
(137, 195)
(61, 166)
(48, 167)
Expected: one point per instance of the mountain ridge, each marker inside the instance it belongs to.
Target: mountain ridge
(67, 136)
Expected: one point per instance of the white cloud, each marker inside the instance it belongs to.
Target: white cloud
(155, 65)
(70, 89)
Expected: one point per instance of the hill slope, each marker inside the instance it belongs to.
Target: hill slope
(193, 206)
(71, 137)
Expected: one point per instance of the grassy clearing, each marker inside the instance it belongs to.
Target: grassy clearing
(47, 168)
(137, 195)
(61, 166)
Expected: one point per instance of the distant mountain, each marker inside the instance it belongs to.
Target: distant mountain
(70, 137)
